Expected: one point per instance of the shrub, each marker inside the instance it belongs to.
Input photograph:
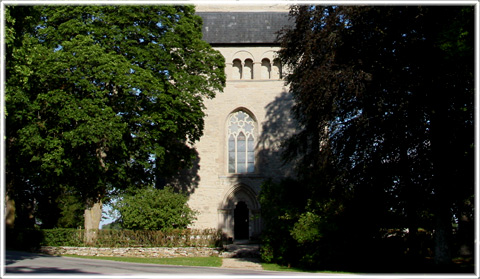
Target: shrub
(170, 238)
(62, 237)
(29, 240)
(154, 209)
(23, 239)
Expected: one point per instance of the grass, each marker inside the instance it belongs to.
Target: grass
(184, 261)
(194, 261)
(198, 261)
(277, 267)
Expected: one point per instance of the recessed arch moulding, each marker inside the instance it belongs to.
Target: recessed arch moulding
(234, 195)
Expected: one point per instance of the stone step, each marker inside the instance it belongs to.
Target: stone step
(241, 251)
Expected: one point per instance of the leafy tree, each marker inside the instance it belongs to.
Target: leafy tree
(101, 98)
(71, 211)
(281, 206)
(154, 209)
(384, 96)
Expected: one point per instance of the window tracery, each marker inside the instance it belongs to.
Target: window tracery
(241, 143)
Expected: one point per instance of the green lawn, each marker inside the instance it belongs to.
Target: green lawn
(194, 261)
(187, 261)
(277, 267)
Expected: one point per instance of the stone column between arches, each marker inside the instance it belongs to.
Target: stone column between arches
(257, 70)
(236, 194)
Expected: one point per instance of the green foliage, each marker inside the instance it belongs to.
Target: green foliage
(112, 226)
(276, 267)
(32, 239)
(281, 206)
(71, 211)
(62, 237)
(154, 209)
(306, 228)
(24, 240)
(101, 98)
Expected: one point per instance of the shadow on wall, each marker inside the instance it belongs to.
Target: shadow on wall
(184, 180)
(277, 127)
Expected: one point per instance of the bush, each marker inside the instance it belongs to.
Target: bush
(62, 237)
(170, 238)
(154, 209)
(23, 239)
(29, 240)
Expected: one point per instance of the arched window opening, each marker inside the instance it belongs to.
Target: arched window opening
(248, 69)
(251, 154)
(241, 143)
(241, 153)
(266, 69)
(237, 69)
(277, 69)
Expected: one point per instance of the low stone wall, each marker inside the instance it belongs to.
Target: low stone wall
(155, 252)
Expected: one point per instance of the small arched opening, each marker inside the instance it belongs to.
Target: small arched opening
(248, 69)
(266, 69)
(237, 69)
(277, 69)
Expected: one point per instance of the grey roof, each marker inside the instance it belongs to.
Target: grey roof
(243, 27)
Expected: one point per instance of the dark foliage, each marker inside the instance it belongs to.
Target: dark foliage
(32, 239)
(384, 97)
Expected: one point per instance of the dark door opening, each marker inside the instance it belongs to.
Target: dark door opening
(240, 219)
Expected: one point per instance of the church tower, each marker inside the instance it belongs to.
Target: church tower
(245, 123)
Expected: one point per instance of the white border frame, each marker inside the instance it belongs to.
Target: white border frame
(235, 3)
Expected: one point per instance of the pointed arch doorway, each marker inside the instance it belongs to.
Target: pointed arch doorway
(239, 213)
(241, 221)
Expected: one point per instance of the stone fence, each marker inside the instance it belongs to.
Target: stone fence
(150, 252)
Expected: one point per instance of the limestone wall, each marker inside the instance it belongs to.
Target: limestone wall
(266, 98)
(155, 252)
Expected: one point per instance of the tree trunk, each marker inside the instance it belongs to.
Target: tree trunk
(9, 213)
(465, 236)
(443, 182)
(93, 215)
(443, 231)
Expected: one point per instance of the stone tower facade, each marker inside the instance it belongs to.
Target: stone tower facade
(245, 123)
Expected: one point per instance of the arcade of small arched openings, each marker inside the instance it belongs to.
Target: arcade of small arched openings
(243, 66)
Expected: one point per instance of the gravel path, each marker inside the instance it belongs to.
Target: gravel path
(241, 256)
(242, 263)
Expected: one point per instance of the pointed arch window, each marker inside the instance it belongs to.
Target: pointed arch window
(241, 143)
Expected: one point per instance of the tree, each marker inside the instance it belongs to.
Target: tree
(71, 211)
(384, 97)
(153, 209)
(101, 98)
